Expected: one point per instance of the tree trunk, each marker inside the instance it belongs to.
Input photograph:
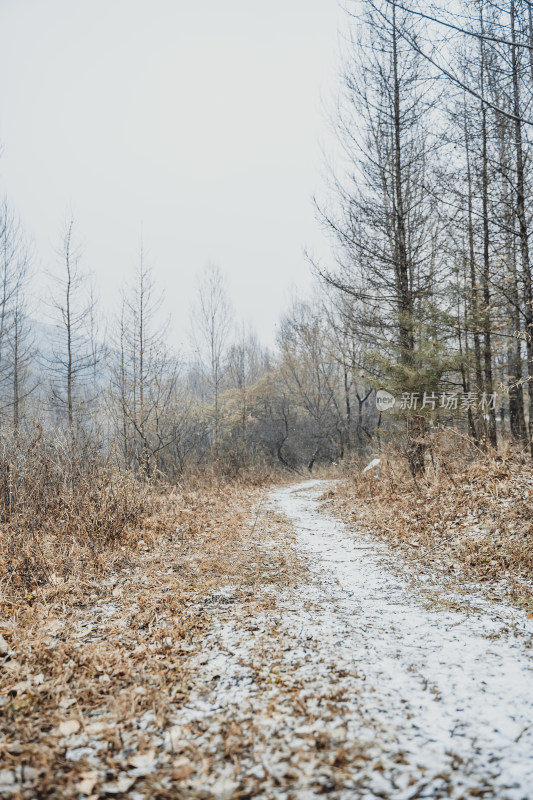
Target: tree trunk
(485, 273)
(522, 219)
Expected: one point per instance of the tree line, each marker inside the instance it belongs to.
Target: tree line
(119, 387)
(430, 215)
(428, 292)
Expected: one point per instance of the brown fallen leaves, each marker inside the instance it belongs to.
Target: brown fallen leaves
(471, 514)
(92, 667)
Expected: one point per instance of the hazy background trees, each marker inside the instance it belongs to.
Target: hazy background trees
(74, 356)
(16, 340)
(428, 291)
(144, 373)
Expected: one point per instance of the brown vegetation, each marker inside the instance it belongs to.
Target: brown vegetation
(470, 512)
(62, 505)
(87, 658)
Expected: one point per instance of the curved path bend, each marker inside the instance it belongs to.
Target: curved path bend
(362, 684)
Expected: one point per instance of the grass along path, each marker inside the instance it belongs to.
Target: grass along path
(281, 655)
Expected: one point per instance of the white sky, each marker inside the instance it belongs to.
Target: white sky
(196, 122)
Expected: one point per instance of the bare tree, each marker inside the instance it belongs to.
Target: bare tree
(245, 364)
(313, 379)
(384, 228)
(16, 340)
(74, 356)
(144, 375)
(211, 328)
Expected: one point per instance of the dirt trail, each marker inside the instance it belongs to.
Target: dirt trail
(360, 685)
(311, 661)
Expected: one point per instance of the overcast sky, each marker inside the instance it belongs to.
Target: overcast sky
(196, 122)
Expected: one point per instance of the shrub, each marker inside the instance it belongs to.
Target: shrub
(62, 503)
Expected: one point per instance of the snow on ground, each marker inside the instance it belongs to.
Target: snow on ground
(455, 688)
(357, 686)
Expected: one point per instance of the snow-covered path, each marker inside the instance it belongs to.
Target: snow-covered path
(358, 685)
(455, 688)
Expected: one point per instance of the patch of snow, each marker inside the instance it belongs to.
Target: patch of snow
(456, 693)
(439, 704)
(374, 463)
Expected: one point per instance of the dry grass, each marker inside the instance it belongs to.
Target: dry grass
(92, 657)
(471, 512)
(62, 506)
(106, 584)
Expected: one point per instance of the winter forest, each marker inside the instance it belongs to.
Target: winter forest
(152, 539)
(427, 292)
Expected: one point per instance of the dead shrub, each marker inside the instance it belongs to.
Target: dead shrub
(62, 503)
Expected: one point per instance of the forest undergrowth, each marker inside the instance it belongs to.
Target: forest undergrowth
(113, 582)
(94, 632)
(469, 513)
